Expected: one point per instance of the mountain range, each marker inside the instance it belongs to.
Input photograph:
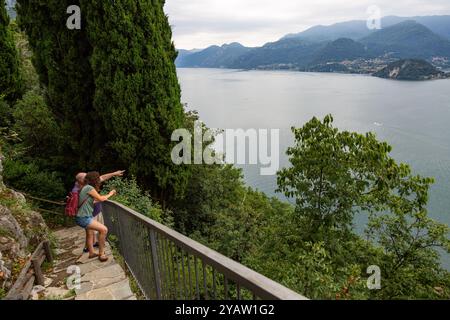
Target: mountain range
(357, 29)
(350, 44)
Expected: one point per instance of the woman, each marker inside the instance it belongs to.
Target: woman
(79, 183)
(85, 219)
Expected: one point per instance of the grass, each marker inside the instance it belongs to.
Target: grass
(5, 233)
(53, 243)
(17, 267)
(7, 200)
(2, 293)
(47, 266)
(70, 294)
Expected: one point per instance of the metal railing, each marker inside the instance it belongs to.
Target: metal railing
(170, 266)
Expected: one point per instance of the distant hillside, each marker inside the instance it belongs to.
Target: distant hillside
(329, 67)
(407, 39)
(182, 54)
(438, 24)
(340, 50)
(212, 57)
(404, 40)
(410, 69)
(288, 53)
(350, 29)
(357, 29)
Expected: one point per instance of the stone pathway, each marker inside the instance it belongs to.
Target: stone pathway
(99, 281)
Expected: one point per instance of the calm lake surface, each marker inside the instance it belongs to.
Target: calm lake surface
(414, 117)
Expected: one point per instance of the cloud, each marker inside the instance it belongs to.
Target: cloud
(200, 23)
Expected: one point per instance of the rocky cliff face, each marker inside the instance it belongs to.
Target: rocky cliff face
(21, 229)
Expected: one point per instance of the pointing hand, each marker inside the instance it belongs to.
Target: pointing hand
(119, 173)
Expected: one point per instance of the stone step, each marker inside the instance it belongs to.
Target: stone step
(99, 280)
(117, 291)
(95, 264)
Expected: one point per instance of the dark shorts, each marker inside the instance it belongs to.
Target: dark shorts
(84, 222)
(97, 209)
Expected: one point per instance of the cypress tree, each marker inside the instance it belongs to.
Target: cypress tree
(137, 90)
(61, 58)
(112, 84)
(10, 81)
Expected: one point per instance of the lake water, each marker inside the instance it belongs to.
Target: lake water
(414, 117)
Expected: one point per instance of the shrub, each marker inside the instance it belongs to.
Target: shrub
(130, 195)
(37, 127)
(5, 113)
(29, 178)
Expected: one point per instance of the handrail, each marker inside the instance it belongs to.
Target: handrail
(242, 276)
(43, 200)
(42, 210)
(26, 195)
(31, 273)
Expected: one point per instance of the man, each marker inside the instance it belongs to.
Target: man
(79, 184)
(79, 179)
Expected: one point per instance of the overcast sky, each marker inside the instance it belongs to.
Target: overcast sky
(201, 23)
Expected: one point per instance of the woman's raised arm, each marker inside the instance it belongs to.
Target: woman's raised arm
(94, 194)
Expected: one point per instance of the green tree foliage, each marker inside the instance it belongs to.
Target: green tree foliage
(61, 58)
(204, 197)
(10, 79)
(132, 196)
(112, 85)
(5, 114)
(32, 140)
(32, 163)
(30, 78)
(334, 174)
(219, 209)
(39, 132)
(30, 178)
(312, 247)
(137, 91)
(307, 267)
(337, 174)
(410, 264)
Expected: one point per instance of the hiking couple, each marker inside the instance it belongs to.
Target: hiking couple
(88, 216)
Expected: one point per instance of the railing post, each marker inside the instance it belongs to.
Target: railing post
(38, 271)
(155, 264)
(48, 251)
